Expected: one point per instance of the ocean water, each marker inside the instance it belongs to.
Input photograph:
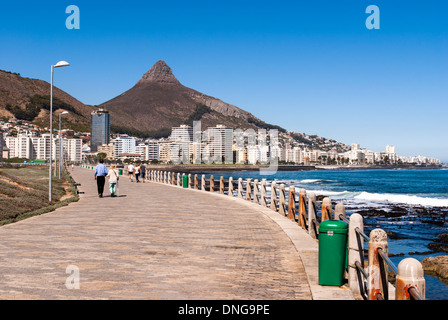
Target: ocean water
(413, 203)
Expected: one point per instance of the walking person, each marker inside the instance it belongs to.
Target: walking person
(143, 172)
(100, 177)
(137, 173)
(131, 171)
(113, 180)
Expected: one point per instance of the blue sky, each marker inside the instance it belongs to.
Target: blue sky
(308, 66)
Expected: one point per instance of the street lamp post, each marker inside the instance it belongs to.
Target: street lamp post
(61, 148)
(50, 182)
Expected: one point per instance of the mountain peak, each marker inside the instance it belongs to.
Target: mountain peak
(160, 72)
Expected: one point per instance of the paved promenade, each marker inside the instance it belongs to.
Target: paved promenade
(158, 241)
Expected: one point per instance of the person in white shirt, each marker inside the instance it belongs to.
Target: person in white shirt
(131, 171)
(113, 180)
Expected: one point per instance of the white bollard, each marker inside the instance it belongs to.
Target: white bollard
(230, 191)
(355, 255)
(240, 188)
(339, 210)
(410, 274)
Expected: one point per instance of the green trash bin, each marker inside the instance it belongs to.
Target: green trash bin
(185, 181)
(332, 252)
(120, 172)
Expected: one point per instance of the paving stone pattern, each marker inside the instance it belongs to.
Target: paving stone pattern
(153, 242)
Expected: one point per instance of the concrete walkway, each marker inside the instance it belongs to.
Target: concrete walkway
(158, 241)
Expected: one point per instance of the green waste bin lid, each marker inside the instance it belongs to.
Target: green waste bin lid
(337, 226)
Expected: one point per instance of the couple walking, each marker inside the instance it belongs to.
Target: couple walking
(100, 176)
(139, 172)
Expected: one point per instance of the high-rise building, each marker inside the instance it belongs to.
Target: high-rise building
(99, 129)
(124, 145)
(183, 133)
(20, 146)
(217, 143)
(38, 148)
(153, 150)
(182, 137)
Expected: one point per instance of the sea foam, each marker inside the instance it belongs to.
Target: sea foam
(402, 198)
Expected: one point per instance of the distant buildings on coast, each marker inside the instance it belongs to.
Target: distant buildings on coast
(218, 145)
(214, 145)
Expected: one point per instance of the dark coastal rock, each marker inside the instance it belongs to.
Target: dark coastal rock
(438, 265)
(372, 212)
(443, 237)
(440, 244)
(394, 212)
(394, 235)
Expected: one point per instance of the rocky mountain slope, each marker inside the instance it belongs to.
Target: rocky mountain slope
(29, 99)
(159, 101)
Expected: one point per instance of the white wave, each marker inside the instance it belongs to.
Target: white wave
(310, 180)
(339, 194)
(402, 198)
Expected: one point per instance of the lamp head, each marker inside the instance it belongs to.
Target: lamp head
(62, 64)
